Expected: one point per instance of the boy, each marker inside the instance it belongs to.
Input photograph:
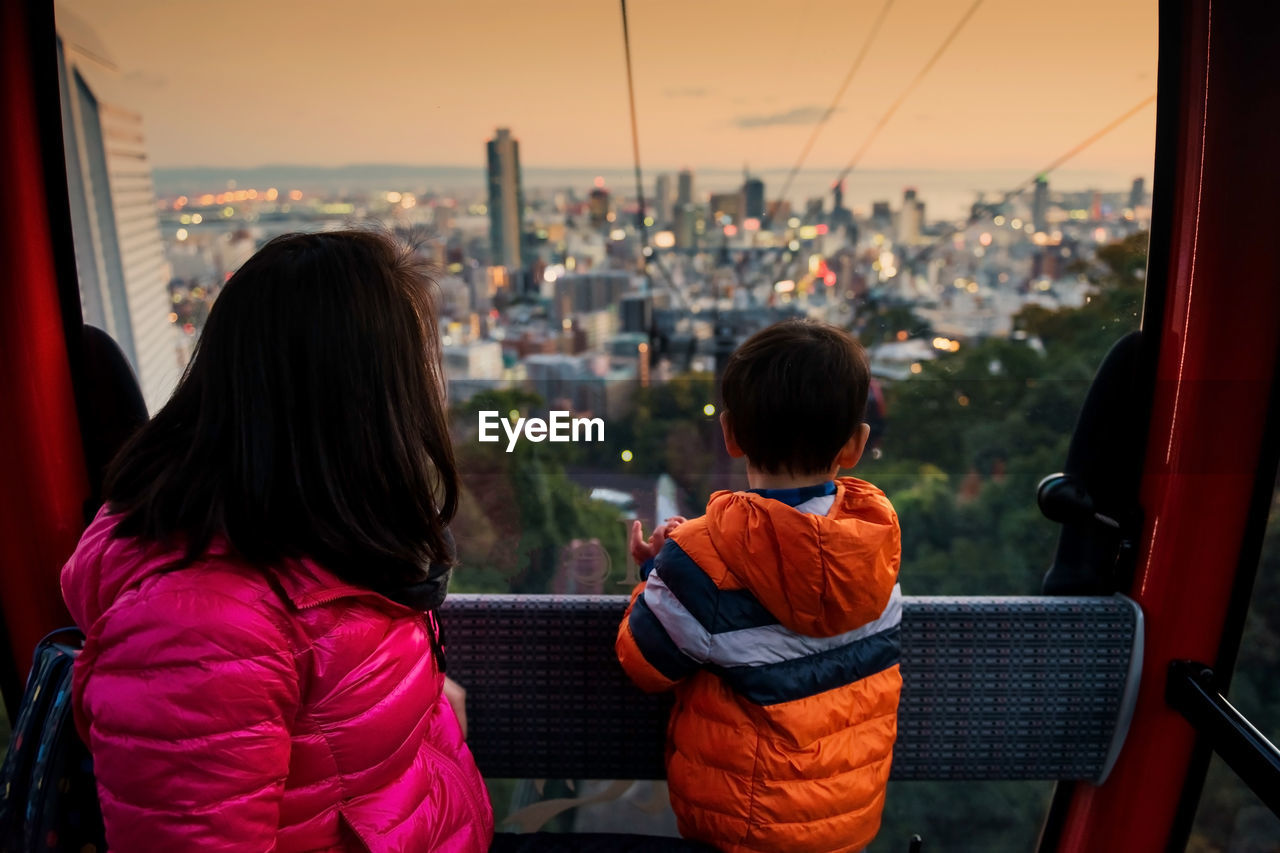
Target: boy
(775, 616)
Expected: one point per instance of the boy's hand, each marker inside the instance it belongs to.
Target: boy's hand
(641, 551)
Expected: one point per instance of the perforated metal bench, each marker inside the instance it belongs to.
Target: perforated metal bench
(993, 688)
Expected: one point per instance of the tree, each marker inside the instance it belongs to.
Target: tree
(518, 509)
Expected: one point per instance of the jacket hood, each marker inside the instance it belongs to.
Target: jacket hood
(818, 575)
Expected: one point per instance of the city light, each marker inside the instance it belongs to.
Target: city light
(273, 194)
(627, 456)
(1016, 224)
(999, 220)
(709, 409)
(664, 239)
(730, 230)
(648, 222)
(785, 286)
(793, 222)
(821, 228)
(794, 245)
(295, 195)
(182, 234)
(984, 239)
(196, 219)
(808, 232)
(617, 234)
(916, 367)
(751, 224)
(393, 197)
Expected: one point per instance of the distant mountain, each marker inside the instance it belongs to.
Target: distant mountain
(399, 176)
(187, 179)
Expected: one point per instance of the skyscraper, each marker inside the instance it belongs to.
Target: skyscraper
(506, 200)
(662, 198)
(1138, 193)
(840, 215)
(684, 191)
(1040, 204)
(753, 193)
(909, 218)
(120, 259)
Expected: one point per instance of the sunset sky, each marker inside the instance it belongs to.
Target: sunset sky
(719, 83)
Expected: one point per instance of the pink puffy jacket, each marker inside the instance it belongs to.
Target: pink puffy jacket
(223, 714)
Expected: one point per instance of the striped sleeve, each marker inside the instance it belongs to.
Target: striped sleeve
(648, 653)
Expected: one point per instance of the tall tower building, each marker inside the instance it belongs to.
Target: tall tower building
(1138, 193)
(1040, 204)
(840, 215)
(120, 260)
(909, 217)
(506, 200)
(684, 188)
(753, 194)
(662, 198)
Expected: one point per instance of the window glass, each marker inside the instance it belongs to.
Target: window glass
(965, 189)
(1230, 816)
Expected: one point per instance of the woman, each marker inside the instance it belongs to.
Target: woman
(262, 669)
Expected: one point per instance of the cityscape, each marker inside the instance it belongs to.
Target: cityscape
(985, 300)
(577, 290)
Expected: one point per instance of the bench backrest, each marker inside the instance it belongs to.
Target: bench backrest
(993, 688)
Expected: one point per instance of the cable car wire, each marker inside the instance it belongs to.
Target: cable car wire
(635, 133)
(645, 249)
(1021, 188)
(928, 66)
(835, 102)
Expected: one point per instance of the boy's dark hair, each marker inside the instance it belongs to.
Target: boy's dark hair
(311, 421)
(794, 393)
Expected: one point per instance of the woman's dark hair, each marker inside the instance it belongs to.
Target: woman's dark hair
(311, 421)
(794, 393)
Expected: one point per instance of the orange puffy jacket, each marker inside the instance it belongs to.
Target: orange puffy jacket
(778, 628)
